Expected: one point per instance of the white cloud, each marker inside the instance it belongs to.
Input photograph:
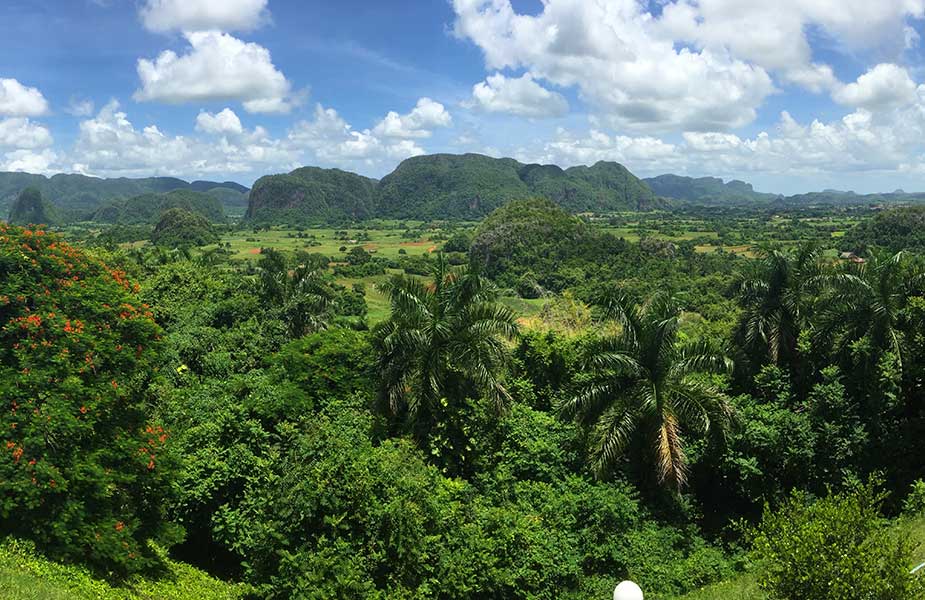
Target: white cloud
(17, 100)
(110, 145)
(627, 70)
(521, 96)
(225, 122)
(217, 67)
(425, 116)
(775, 35)
(198, 15)
(328, 140)
(570, 149)
(23, 133)
(28, 161)
(884, 86)
(80, 107)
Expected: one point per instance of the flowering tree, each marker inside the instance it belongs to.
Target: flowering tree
(82, 470)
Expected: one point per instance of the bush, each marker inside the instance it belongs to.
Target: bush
(837, 548)
(82, 470)
(915, 501)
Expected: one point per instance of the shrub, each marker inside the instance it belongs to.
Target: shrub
(837, 548)
(82, 471)
(915, 501)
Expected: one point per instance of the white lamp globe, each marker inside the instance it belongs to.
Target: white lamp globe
(627, 590)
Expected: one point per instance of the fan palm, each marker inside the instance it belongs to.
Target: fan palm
(644, 385)
(444, 340)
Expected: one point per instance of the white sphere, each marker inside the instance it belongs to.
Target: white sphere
(627, 590)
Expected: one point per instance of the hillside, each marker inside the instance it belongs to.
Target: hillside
(443, 186)
(312, 195)
(31, 208)
(706, 190)
(148, 208)
(77, 197)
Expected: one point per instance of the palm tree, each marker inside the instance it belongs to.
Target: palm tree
(865, 302)
(299, 292)
(774, 294)
(444, 341)
(644, 385)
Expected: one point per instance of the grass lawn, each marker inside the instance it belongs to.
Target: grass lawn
(25, 575)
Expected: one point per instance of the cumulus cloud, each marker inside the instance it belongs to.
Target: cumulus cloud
(425, 116)
(329, 140)
(884, 86)
(217, 67)
(521, 96)
(23, 133)
(28, 161)
(568, 149)
(225, 122)
(110, 145)
(17, 100)
(623, 67)
(199, 15)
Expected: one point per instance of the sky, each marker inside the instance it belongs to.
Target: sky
(791, 95)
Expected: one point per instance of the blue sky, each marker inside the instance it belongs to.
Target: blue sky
(802, 95)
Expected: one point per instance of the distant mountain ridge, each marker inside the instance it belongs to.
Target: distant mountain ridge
(78, 197)
(443, 186)
(706, 190)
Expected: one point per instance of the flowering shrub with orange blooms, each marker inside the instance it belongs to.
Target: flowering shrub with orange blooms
(83, 471)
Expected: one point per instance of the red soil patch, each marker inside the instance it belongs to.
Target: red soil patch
(432, 249)
(254, 251)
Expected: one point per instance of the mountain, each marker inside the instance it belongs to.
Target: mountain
(77, 197)
(706, 190)
(31, 208)
(443, 186)
(449, 186)
(312, 195)
(148, 208)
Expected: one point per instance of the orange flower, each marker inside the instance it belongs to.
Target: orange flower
(120, 526)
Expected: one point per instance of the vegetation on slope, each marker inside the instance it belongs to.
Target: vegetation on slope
(179, 228)
(32, 208)
(311, 195)
(894, 230)
(443, 186)
(148, 208)
(706, 190)
(78, 197)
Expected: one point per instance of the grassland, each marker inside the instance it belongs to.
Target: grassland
(25, 575)
(745, 587)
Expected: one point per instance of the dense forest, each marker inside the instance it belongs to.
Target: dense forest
(535, 406)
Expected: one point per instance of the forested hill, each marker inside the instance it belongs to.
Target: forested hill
(78, 197)
(706, 190)
(443, 186)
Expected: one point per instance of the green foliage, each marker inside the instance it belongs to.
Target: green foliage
(706, 190)
(30, 208)
(645, 384)
(914, 504)
(83, 472)
(443, 343)
(329, 365)
(27, 575)
(446, 186)
(894, 230)
(181, 228)
(836, 548)
(310, 195)
(148, 208)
